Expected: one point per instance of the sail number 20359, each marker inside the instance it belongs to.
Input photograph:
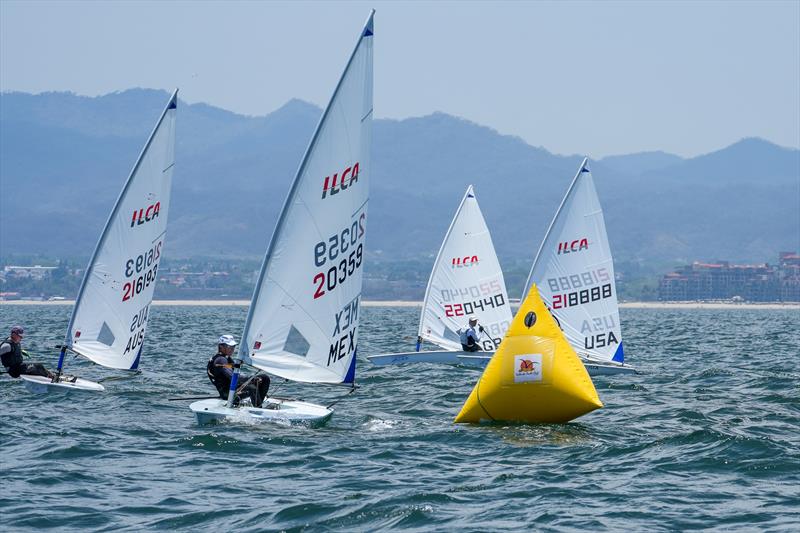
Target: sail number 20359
(337, 274)
(347, 245)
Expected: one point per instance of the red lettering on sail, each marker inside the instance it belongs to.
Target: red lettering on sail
(349, 177)
(466, 261)
(576, 245)
(145, 215)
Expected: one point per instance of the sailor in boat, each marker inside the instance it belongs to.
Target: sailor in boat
(470, 336)
(220, 372)
(11, 353)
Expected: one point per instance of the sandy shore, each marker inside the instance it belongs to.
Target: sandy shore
(404, 303)
(708, 305)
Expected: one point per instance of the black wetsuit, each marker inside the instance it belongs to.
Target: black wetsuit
(11, 354)
(221, 377)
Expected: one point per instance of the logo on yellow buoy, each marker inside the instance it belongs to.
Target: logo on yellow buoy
(527, 368)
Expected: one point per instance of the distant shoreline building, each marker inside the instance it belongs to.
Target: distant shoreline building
(723, 281)
(37, 272)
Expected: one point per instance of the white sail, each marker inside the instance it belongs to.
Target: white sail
(574, 273)
(303, 319)
(466, 280)
(110, 315)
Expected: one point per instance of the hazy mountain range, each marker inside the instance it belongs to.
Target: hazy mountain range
(64, 158)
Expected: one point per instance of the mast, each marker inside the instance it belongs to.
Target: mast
(292, 196)
(68, 342)
(550, 227)
(467, 194)
(581, 286)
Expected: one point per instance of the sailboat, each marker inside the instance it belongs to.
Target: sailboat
(574, 271)
(466, 280)
(110, 314)
(534, 377)
(303, 320)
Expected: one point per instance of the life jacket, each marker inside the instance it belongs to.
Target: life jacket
(212, 372)
(211, 369)
(12, 360)
(468, 336)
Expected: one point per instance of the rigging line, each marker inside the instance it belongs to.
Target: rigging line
(351, 391)
(241, 387)
(368, 114)
(261, 372)
(158, 236)
(360, 208)
(277, 387)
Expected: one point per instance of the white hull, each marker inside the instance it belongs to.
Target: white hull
(288, 412)
(607, 369)
(442, 357)
(43, 385)
(476, 360)
(480, 360)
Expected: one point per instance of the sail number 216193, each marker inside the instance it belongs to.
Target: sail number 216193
(146, 266)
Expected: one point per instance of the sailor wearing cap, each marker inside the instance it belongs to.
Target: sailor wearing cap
(220, 371)
(470, 336)
(11, 353)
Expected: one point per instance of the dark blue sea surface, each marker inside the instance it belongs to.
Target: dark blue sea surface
(707, 437)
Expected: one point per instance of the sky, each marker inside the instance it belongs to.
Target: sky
(593, 78)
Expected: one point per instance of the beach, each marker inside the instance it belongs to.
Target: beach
(408, 303)
(709, 305)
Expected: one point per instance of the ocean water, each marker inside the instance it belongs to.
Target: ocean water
(707, 437)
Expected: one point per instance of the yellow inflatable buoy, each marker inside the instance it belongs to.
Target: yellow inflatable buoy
(535, 375)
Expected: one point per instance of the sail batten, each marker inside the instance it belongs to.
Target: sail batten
(109, 317)
(574, 271)
(466, 280)
(303, 318)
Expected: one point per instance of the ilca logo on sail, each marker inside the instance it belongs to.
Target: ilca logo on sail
(573, 246)
(336, 185)
(466, 261)
(145, 214)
